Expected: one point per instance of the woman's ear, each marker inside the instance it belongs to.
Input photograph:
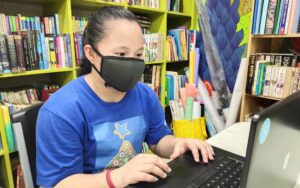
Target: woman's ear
(90, 54)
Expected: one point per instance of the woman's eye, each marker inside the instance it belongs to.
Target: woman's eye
(120, 54)
(139, 55)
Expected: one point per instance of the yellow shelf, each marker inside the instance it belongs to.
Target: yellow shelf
(145, 10)
(154, 62)
(174, 14)
(265, 97)
(96, 3)
(1, 152)
(295, 35)
(35, 72)
(179, 61)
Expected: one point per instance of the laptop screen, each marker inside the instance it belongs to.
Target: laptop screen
(275, 158)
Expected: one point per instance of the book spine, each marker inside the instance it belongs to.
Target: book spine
(47, 63)
(44, 51)
(263, 17)
(52, 47)
(267, 81)
(283, 17)
(26, 49)
(39, 50)
(12, 53)
(34, 42)
(277, 15)
(4, 54)
(250, 77)
(270, 17)
(58, 52)
(69, 49)
(20, 53)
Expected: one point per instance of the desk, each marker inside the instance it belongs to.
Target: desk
(233, 139)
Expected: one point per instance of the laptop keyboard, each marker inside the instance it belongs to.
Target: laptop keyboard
(228, 175)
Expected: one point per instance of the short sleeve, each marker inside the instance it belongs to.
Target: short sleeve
(58, 148)
(157, 124)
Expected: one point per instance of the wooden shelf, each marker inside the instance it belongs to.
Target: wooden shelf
(295, 35)
(265, 97)
(36, 72)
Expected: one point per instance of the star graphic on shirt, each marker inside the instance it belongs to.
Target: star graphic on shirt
(121, 130)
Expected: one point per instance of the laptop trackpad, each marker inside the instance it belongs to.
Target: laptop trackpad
(184, 170)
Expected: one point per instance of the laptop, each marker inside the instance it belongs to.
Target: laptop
(272, 157)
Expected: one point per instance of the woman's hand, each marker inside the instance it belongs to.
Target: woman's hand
(181, 145)
(143, 167)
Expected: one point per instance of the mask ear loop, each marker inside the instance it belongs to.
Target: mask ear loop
(99, 54)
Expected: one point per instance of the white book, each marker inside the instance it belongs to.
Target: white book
(272, 90)
(286, 26)
(267, 81)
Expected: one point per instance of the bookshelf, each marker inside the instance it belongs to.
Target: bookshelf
(262, 43)
(161, 20)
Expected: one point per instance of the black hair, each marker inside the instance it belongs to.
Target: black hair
(95, 31)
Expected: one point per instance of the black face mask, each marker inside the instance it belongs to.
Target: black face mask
(121, 73)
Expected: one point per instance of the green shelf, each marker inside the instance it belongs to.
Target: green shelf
(173, 14)
(154, 62)
(179, 61)
(36, 72)
(93, 3)
(144, 10)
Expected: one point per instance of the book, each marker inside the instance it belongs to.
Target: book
(20, 53)
(250, 76)
(4, 54)
(270, 17)
(12, 54)
(5, 120)
(263, 16)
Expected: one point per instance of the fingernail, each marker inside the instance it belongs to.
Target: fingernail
(169, 169)
(155, 179)
(197, 160)
(165, 175)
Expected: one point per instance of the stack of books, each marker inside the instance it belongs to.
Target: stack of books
(276, 17)
(153, 47)
(79, 24)
(152, 76)
(144, 22)
(273, 75)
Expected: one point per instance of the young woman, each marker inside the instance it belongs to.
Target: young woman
(99, 121)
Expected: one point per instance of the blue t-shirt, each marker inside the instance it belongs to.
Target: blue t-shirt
(77, 132)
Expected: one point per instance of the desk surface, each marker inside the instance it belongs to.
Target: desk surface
(233, 139)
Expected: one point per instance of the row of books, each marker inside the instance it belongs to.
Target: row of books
(273, 78)
(276, 17)
(32, 50)
(20, 98)
(178, 43)
(174, 82)
(47, 25)
(153, 47)
(151, 77)
(144, 22)
(145, 3)
(79, 23)
(175, 5)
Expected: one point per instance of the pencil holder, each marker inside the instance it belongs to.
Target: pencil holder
(190, 128)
